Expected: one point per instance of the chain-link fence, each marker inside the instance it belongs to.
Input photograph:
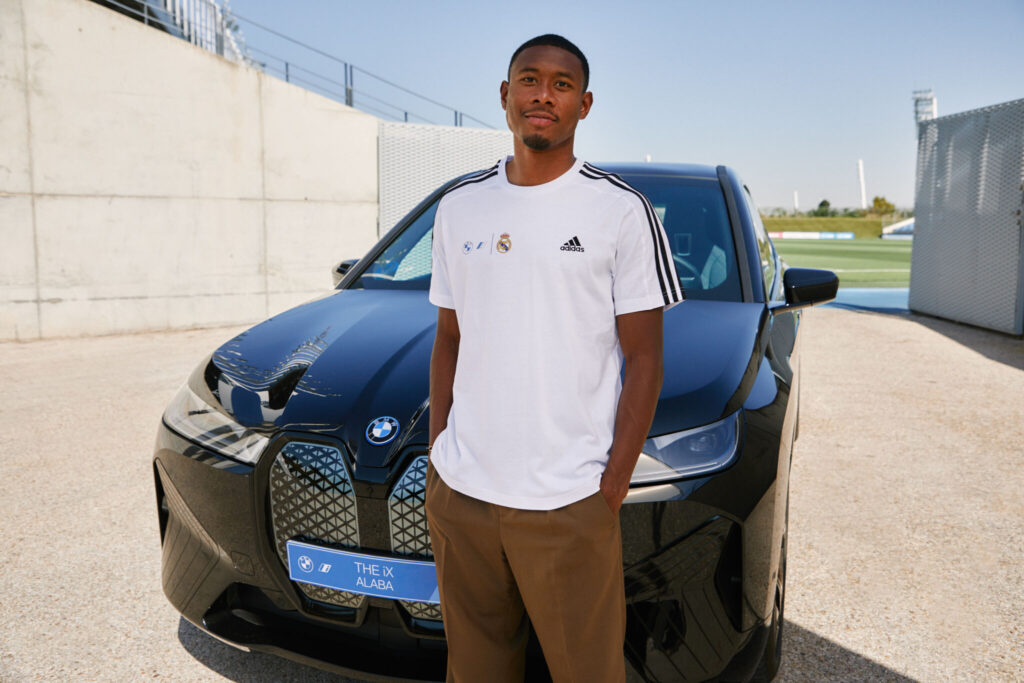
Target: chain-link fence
(414, 159)
(968, 258)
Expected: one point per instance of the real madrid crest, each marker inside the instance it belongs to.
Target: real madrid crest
(504, 243)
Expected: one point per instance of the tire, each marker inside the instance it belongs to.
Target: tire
(771, 660)
(796, 430)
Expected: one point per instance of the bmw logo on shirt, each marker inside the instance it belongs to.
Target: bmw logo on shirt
(382, 430)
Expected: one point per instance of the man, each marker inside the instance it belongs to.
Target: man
(550, 277)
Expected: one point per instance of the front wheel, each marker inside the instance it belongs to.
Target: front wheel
(768, 667)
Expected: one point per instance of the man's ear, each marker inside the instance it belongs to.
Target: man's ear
(586, 104)
(503, 91)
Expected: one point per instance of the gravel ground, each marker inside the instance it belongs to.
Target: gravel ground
(906, 521)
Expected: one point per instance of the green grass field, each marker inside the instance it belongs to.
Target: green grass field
(857, 262)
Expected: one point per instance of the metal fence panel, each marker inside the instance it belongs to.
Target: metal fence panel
(968, 258)
(415, 159)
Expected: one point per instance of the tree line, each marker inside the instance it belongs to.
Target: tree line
(880, 208)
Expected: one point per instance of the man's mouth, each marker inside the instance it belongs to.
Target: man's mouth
(540, 118)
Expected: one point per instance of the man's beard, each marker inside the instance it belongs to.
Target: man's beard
(537, 142)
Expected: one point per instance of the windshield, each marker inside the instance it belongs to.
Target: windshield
(405, 263)
(692, 210)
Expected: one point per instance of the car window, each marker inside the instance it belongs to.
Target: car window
(692, 210)
(406, 262)
(696, 221)
(764, 245)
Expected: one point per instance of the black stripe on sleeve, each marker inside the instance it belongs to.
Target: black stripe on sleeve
(477, 177)
(670, 289)
(674, 290)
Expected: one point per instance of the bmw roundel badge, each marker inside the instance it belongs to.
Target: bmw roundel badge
(382, 430)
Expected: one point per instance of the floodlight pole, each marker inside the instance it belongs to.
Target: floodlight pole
(926, 106)
(863, 193)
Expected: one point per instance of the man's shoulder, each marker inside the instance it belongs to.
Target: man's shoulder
(470, 183)
(622, 200)
(608, 182)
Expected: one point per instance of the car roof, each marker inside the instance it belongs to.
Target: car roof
(637, 168)
(640, 168)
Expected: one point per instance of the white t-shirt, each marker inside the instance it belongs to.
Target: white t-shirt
(536, 275)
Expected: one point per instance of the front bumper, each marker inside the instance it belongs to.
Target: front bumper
(692, 598)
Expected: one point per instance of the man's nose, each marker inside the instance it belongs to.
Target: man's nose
(542, 93)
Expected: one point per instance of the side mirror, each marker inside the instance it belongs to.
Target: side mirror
(806, 287)
(342, 267)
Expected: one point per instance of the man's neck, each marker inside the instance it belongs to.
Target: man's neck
(533, 167)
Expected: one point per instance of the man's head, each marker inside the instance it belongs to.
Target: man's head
(553, 40)
(546, 94)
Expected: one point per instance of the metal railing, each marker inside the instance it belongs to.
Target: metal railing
(203, 23)
(375, 94)
(211, 25)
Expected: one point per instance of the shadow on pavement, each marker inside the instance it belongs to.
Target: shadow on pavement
(806, 657)
(998, 346)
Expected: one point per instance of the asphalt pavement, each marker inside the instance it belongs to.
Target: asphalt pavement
(906, 557)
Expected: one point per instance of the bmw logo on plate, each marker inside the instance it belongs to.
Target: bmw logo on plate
(382, 430)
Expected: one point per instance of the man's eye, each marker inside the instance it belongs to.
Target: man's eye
(563, 84)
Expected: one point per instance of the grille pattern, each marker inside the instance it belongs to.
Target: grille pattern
(311, 498)
(968, 258)
(408, 522)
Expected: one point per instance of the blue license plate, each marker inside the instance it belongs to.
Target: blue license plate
(383, 577)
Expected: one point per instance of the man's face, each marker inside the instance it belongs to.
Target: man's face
(543, 98)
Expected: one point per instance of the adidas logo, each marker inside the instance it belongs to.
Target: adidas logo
(573, 245)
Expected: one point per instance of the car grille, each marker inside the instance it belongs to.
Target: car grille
(311, 499)
(408, 522)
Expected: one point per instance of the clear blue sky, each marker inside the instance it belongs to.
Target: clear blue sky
(790, 94)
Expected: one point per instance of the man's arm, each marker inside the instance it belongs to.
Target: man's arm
(442, 370)
(643, 368)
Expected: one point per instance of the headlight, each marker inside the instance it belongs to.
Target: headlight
(689, 453)
(196, 420)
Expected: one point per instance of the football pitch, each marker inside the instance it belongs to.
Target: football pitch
(858, 263)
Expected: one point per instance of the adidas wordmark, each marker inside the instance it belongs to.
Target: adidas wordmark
(573, 245)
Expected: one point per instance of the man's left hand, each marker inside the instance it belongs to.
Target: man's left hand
(640, 336)
(614, 488)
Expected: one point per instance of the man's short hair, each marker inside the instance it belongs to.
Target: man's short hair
(554, 40)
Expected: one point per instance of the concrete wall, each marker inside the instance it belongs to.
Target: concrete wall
(147, 184)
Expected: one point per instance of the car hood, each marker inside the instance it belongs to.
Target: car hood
(334, 364)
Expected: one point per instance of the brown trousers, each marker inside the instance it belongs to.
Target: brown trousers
(496, 565)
